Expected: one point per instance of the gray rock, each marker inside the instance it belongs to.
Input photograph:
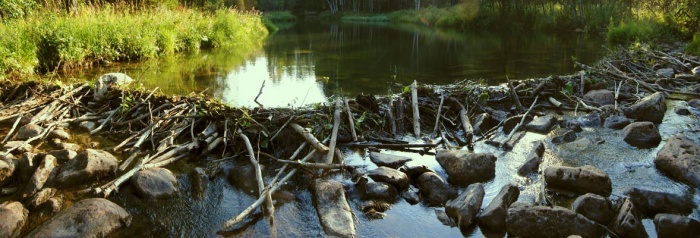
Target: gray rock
(524, 220)
(616, 122)
(28, 131)
(494, 215)
(413, 171)
(387, 160)
(538, 148)
(464, 168)
(59, 133)
(240, 176)
(68, 146)
(92, 217)
(41, 197)
(682, 110)
(155, 183)
(600, 97)
(7, 168)
(13, 217)
(694, 103)
(570, 123)
(61, 155)
(40, 176)
(199, 180)
(15, 146)
(411, 196)
(628, 222)
(464, 208)
(642, 134)
(532, 163)
(651, 108)
(89, 165)
(434, 190)
(483, 122)
(27, 165)
(444, 219)
(580, 180)
(594, 207)
(680, 160)
(55, 204)
(672, 226)
(379, 191)
(541, 124)
(87, 126)
(391, 176)
(510, 123)
(592, 119)
(651, 203)
(106, 81)
(665, 72)
(566, 136)
(333, 209)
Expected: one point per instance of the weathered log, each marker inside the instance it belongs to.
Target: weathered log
(414, 105)
(392, 120)
(334, 133)
(350, 120)
(310, 138)
(437, 116)
(269, 209)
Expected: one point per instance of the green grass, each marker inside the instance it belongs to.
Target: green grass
(365, 18)
(48, 41)
(694, 46)
(279, 16)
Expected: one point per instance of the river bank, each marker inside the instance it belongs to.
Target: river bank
(595, 132)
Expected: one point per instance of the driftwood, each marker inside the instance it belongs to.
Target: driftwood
(334, 134)
(437, 118)
(351, 120)
(309, 138)
(414, 106)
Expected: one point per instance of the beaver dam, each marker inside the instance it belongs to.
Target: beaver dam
(609, 151)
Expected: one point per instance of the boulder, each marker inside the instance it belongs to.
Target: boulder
(87, 126)
(391, 176)
(570, 123)
(511, 122)
(60, 134)
(27, 165)
(616, 122)
(694, 103)
(92, 217)
(41, 197)
(665, 72)
(651, 108)
(444, 219)
(579, 180)
(15, 146)
(28, 131)
(680, 160)
(7, 167)
(592, 119)
(565, 136)
(106, 81)
(493, 217)
(672, 225)
(628, 222)
(333, 209)
(642, 134)
(199, 180)
(61, 155)
(411, 196)
(594, 207)
(434, 190)
(541, 125)
(379, 191)
(68, 146)
(524, 220)
(413, 171)
(464, 208)
(600, 97)
(155, 183)
(651, 203)
(40, 176)
(532, 163)
(682, 110)
(387, 160)
(89, 165)
(13, 216)
(484, 122)
(464, 168)
(239, 177)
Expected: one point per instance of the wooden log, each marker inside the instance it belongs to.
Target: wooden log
(109, 118)
(108, 188)
(334, 133)
(414, 105)
(466, 125)
(269, 208)
(351, 120)
(522, 121)
(554, 102)
(309, 138)
(437, 117)
(392, 120)
(514, 96)
(391, 146)
(399, 116)
(12, 130)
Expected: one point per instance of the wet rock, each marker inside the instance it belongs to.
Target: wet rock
(92, 217)
(87, 126)
(155, 183)
(27, 165)
(541, 124)
(580, 180)
(59, 133)
(642, 134)
(13, 216)
(464, 208)
(55, 204)
(41, 197)
(682, 110)
(7, 168)
(571, 124)
(198, 179)
(61, 155)
(566, 136)
(14, 146)
(387, 160)
(592, 119)
(87, 166)
(434, 190)
(444, 219)
(380, 191)
(680, 160)
(510, 123)
(616, 122)
(651, 108)
(411, 196)
(600, 97)
(671, 226)
(483, 122)
(413, 171)
(694, 103)
(628, 222)
(40, 176)
(28, 131)
(532, 163)
(391, 176)
(594, 207)
(651, 203)
(107, 81)
(494, 215)
(665, 72)
(333, 209)
(240, 178)
(464, 168)
(538, 148)
(524, 220)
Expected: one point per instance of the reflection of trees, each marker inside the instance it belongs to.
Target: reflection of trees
(291, 55)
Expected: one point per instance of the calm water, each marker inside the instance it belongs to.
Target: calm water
(311, 61)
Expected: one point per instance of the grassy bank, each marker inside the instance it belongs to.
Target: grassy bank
(48, 41)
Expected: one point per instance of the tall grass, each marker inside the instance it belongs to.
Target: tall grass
(49, 41)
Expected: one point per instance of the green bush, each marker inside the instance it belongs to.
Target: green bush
(283, 16)
(626, 32)
(694, 46)
(15, 9)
